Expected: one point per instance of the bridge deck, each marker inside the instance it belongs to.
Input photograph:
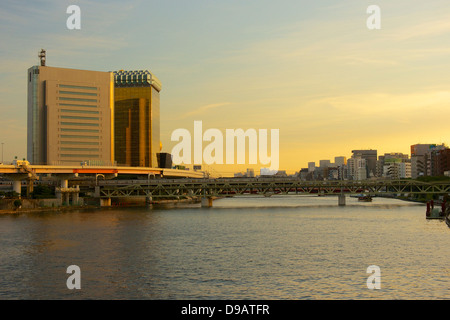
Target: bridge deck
(92, 170)
(186, 188)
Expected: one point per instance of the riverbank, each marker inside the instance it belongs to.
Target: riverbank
(45, 209)
(115, 205)
(423, 201)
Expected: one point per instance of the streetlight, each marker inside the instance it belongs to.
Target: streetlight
(98, 175)
(2, 152)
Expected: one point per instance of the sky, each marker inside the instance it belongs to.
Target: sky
(312, 69)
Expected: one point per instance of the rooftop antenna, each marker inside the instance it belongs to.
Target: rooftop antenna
(42, 57)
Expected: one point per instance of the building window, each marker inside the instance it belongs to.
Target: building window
(79, 117)
(78, 105)
(80, 111)
(89, 156)
(77, 87)
(80, 149)
(78, 93)
(81, 142)
(79, 130)
(77, 99)
(78, 136)
(79, 124)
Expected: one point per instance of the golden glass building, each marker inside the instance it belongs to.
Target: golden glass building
(136, 118)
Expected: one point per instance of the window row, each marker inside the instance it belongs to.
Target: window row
(77, 87)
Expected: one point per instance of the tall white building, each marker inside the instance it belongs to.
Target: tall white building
(340, 161)
(360, 169)
(357, 168)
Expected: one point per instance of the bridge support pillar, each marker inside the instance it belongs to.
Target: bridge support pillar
(341, 199)
(17, 186)
(64, 183)
(207, 202)
(63, 192)
(66, 198)
(76, 197)
(105, 202)
(17, 181)
(97, 192)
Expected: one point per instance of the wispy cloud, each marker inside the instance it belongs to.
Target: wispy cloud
(423, 30)
(204, 109)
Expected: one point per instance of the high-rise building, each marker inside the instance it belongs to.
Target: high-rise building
(360, 169)
(418, 166)
(424, 159)
(396, 168)
(340, 161)
(69, 116)
(324, 163)
(421, 149)
(371, 160)
(443, 164)
(387, 159)
(419, 155)
(136, 118)
(351, 166)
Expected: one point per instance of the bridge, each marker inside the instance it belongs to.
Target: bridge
(208, 189)
(171, 184)
(21, 171)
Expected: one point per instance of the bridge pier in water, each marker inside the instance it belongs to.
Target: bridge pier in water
(341, 199)
(63, 192)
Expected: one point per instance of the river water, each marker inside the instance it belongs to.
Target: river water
(283, 247)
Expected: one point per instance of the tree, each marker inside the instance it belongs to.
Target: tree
(17, 203)
(42, 192)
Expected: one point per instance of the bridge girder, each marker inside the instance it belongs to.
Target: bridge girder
(235, 187)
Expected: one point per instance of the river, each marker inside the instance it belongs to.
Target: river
(282, 247)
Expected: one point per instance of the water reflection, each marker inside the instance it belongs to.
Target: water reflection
(272, 248)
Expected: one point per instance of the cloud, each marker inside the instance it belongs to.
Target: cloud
(423, 30)
(203, 109)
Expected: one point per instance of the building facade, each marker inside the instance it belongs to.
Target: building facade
(324, 163)
(340, 161)
(371, 160)
(69, 116)
(136, 118)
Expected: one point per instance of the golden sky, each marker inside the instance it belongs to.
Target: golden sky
(311, 69)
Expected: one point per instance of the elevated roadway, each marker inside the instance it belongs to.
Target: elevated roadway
(23, 171)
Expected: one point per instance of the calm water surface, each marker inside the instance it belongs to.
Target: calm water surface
(283, 247)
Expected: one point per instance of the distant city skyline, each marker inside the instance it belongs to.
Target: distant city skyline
(310, 69)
